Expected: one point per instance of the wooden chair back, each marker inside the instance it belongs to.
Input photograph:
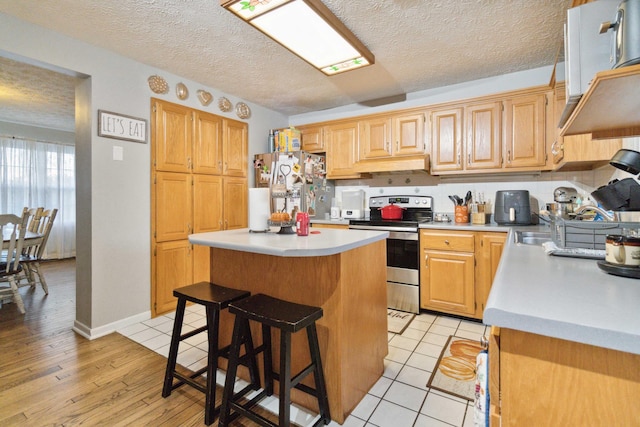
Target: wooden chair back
(13, 228)
(35, 214)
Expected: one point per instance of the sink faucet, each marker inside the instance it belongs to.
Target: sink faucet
(606, 215)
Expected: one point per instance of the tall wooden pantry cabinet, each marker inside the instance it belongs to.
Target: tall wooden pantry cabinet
(198, 184)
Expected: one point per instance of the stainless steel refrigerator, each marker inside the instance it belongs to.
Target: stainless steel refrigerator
(297, 181)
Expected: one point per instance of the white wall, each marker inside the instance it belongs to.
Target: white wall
(114, 196)
(472, 89)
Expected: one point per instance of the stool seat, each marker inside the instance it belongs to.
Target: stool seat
(277, 313)
(214, 298)
(288, 317)
(210, 294)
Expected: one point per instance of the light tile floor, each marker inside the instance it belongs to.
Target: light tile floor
(400, 398)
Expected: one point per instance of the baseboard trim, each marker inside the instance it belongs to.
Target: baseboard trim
(93, 333)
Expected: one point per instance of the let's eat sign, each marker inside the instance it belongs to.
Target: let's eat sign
(119, 126)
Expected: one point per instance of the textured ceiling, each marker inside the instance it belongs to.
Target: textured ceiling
(418, 45)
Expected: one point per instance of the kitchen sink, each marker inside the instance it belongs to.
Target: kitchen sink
(532, 237)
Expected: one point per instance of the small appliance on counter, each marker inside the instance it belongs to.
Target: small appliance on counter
(353, 204)
(512, 207)
(565, 201)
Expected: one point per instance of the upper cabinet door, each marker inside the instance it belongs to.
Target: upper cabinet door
(207, 153)
(173, 128)
(342, 150)
(312, 139)
(525, 132)
(375, 138)
(446, 139)
(484, 130)
(235, 148)
(408, 134)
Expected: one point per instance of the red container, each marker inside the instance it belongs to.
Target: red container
(391, 212)
(302, 224)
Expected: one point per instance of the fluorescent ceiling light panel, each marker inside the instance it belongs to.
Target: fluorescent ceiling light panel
(308, 29)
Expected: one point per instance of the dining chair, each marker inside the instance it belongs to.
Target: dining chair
(13, 229)
(40, 222)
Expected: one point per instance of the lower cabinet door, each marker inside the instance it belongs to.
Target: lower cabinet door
(447, 282)
(174, 269)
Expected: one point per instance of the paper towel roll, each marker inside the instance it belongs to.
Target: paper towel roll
(259, 209)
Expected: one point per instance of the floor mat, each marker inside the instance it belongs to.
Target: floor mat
(455, 372)
(397, 321)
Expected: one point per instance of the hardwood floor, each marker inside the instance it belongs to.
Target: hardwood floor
(49, 375)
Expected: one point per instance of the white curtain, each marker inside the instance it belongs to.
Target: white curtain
(34, 174)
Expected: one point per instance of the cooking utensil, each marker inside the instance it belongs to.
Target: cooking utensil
(453, 199)
(391, 212)
(467, 198)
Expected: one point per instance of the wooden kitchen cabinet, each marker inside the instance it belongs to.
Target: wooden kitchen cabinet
(172, 137)
(446, 139)
(578, 152)
(492, 134)
(483, 143)
(312, 139)
(342, 150)
(466, 138)
(540, 380)
(173, 262)
(204, 190)
(235, 148)
(489, 249)
(525, 131)
(609, 107)
(447, 281)
(457, 269)
(392, 136)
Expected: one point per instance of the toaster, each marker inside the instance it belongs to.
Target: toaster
(512, 207)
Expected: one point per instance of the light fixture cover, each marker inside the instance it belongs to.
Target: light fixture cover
(308, 29)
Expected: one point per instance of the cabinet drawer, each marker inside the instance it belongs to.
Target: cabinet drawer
(447, 240)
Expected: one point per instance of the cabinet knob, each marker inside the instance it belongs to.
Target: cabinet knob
(446, 242)
(426, 261)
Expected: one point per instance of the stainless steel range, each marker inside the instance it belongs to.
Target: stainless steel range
(403, 258)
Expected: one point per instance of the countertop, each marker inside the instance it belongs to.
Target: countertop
(565, 298)
(323, 242)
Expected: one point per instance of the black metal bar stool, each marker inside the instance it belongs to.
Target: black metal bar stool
(214, 298)
(288, 318)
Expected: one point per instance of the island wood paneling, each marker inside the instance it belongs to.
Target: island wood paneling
(351, 289)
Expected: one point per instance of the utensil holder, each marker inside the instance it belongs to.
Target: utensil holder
(461, 214)
(478, 218)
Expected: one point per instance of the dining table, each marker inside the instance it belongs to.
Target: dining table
(30, 238)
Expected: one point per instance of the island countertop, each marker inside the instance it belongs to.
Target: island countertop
(565, 298)
(318, 243)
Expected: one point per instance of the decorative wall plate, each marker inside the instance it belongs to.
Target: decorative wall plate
(204, 97)
(158, 85)
(181, 91)
(224, 104)
(242, 110)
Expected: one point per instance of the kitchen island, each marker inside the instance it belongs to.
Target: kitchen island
(342, 271)
(565, 342)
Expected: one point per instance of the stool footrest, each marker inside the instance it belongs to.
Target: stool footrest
(192, 333)
(245, 408)
(188, 380)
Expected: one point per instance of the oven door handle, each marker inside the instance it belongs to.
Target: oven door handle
(400, 233)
